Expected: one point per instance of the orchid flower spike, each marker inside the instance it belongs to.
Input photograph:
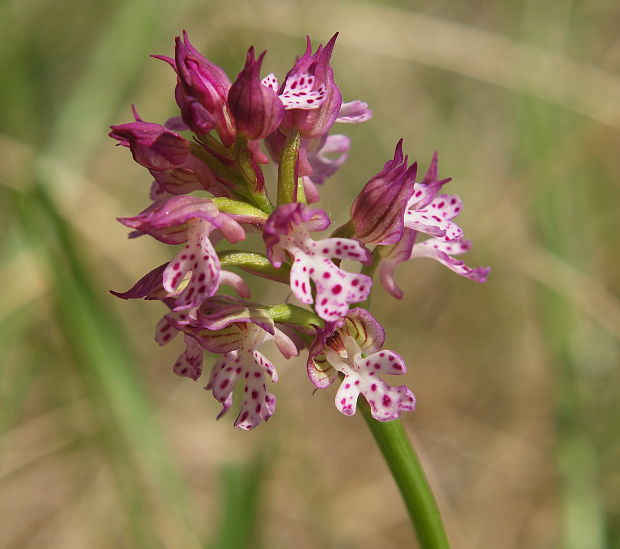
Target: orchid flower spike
(210, 191)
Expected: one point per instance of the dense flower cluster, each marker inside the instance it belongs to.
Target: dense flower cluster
(209, 185)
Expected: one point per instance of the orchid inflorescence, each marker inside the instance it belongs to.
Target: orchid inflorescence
(211, 186)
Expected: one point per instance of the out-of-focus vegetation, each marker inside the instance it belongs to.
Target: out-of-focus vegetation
(517, 380)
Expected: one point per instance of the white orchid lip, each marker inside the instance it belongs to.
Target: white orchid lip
(249, 366)
(298, 92)
(343, 351)
(288, 229)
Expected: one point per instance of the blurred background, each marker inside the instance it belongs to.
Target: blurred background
(101, 445)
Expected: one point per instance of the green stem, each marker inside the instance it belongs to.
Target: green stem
(409, 476)
(216, 146)
(291, 314)
(404, 464)
(256, 264)
(238, 207)
(256, 190)
(262, 201)
(370, 269)
(221, 170)
(287, 171)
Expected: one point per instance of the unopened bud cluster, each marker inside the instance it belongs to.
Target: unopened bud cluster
(209, 185)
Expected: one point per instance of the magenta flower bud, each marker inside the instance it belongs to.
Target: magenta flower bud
(152, 145)
(256, 108)
(168, 157)
(379, 210)
(316, 122)
(193, 113)
(202, 91)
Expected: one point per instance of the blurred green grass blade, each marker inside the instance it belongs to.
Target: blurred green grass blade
(107, 365)
(240, 491)
(559, 209)
(72, 317)
(103, 86)
(142, 460)
(555, 218)
(17, 371)
(583, 519)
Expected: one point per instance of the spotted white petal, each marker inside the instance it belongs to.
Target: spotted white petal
(362, 376)
(439, 250)
(298, 93)
(270, 81)
(199, 258)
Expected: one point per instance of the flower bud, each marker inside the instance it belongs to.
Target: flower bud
(168, 157)
(379, 210)
(256, 108)
(202, 91)
(152, 145)
(193, 112)
(316, 122)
